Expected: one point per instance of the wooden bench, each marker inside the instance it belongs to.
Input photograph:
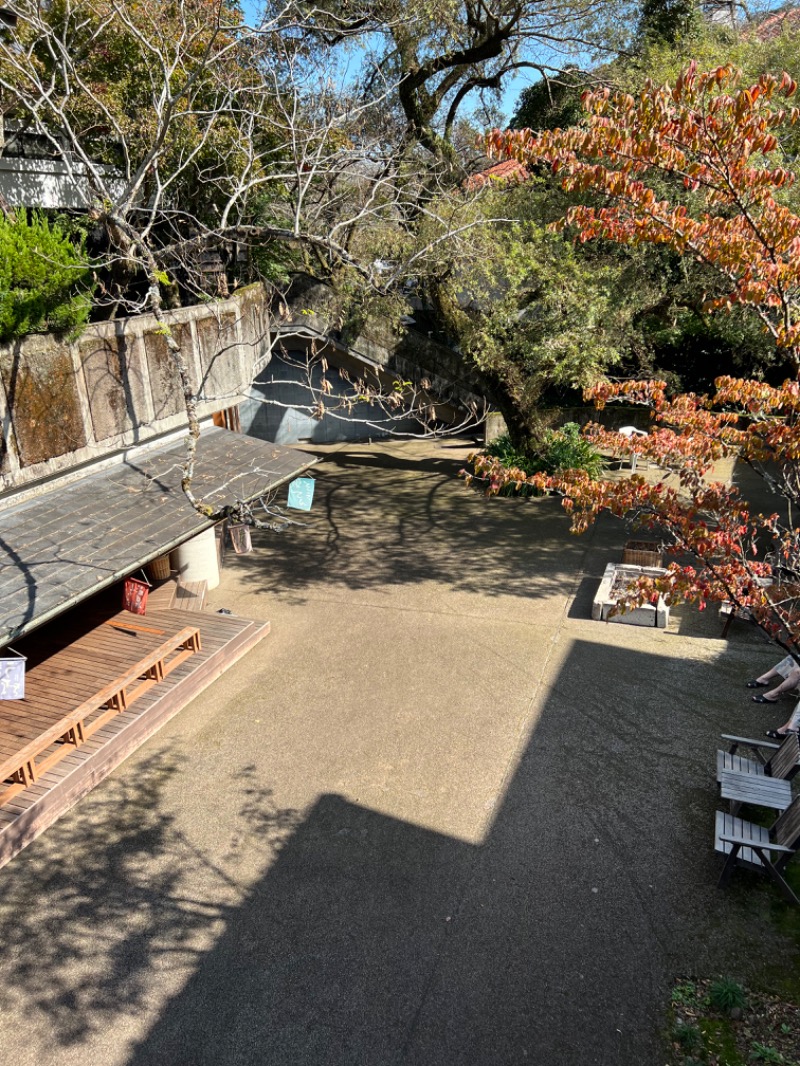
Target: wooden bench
(755, 790)
(758, 781)
(784, 762)
(30, 758)
(755, 847)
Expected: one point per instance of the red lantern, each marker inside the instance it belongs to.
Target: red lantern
(134, 595)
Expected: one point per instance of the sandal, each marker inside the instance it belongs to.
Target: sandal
(773, 734)
(757, 684)
(763, 699)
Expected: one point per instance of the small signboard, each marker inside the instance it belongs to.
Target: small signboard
(12, 675)
(301, 493)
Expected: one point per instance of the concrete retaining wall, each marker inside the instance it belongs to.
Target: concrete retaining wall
(313, 309)
(64, 404)
(275, 409)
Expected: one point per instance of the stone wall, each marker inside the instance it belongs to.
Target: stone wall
(277, 408)
(405, 352)
(64, 404)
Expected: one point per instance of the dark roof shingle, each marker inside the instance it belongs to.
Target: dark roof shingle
(74, 540)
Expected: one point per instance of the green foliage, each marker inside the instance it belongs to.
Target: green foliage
(726, 994)
(272, 261)
(45, 280)
(669, 21)
(668, 332)
(530, 312)
(765, 1053)
(719, 1042)
(702, 1009)
(503, 449)
(567, 449)
(684, 994)
(688, 1036)
(559, 449)
(551, 104)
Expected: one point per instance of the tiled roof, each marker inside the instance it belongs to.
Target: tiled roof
(508, 170)
(61, 547)
(774, 25)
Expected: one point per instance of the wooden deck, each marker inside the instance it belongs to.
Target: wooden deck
(72, 689)
(66, 771)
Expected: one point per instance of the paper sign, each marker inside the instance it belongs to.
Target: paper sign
(12, 677)
(301, 493)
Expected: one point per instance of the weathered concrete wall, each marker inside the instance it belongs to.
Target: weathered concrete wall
(276, 408)
(115, 387)
(313, 308)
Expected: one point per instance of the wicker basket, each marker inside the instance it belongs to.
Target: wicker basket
(158, 569)
(641, 553)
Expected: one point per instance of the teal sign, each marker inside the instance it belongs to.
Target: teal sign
(301, 493)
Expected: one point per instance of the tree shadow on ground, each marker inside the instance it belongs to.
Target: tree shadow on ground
(555, 940)
(366, 939)
(382, 520)
(90, 912)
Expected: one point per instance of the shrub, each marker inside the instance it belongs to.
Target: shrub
(568, 449)
(501, 448)
(560, 449)
(45, 279)
(765, 1053)
(726, 995)
(687, 1036)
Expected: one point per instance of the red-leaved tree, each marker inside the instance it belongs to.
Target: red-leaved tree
(718, 142)
(714, 148)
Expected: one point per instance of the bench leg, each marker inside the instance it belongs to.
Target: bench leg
(783, 885)
(729, 867)
(26, 774)
(118, 701)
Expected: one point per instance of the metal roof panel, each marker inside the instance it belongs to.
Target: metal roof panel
(61, 547)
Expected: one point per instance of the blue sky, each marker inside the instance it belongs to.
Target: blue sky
(515, 85)
(511, 93)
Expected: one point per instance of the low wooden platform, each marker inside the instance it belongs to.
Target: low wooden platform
(34, 805)
(178, 595)
(73, 689)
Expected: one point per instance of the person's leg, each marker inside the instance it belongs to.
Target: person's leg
(764, 680)
(791, 681)
(785, 667)
(793, 725)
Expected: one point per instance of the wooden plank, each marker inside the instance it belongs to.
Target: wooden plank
(81, 769)
(162, 596)
(191, 595)
(156, 663)
(738, 764)
(759, 791)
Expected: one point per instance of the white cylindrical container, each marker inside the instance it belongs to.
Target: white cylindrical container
(197, 560)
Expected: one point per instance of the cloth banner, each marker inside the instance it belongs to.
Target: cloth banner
(12, 675)
(134, 595)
